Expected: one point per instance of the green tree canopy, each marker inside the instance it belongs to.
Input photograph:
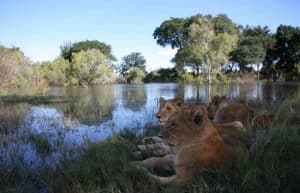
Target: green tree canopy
(208, 45)
(68, 49)
(171, 32)
(287, 50)
(133, 60)
(252, 47)
(135, 75)
(13, 64)
(90, 67)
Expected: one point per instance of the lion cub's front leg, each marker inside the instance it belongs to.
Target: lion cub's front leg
(152, 149)
(165, 163)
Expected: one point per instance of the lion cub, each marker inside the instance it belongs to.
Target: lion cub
(196, 143)
(223, 110)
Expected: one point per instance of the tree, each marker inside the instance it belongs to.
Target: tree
(171, 32)
(13, 64)
(68, 49)
(133, 60)
(252, 47)
(222, 24)
(55, 72)
(90, 67)
(287, 55)
(135, 75)
(206, 50)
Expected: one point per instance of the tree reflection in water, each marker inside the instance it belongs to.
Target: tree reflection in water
(134, 97)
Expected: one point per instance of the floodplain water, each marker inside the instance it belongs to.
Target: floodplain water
(40, 130)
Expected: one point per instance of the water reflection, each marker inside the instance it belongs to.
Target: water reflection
(134, 97)
(89, 105)
(92, 114)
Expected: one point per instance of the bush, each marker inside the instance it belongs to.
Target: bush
(135, 75)
(190, 78)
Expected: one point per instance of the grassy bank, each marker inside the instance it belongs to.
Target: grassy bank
(272, 164)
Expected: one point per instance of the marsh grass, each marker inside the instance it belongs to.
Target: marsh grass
(41, 143)
(270, 163)
(104, 167)
(34, 100)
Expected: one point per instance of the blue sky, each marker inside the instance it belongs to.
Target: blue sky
(39, 27)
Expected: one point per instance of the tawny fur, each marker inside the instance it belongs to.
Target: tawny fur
(223, 110)
(196, 144)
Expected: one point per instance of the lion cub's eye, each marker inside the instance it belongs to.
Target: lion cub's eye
(168, 108)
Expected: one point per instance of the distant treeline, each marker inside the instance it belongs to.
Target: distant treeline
(209, 48)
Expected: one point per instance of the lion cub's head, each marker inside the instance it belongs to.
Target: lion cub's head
(185, 124)
(167, 108)
(214, 104)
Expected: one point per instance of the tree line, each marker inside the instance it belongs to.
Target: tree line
(216, 46)
(209, 48)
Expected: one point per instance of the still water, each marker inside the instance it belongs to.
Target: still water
(38, 130)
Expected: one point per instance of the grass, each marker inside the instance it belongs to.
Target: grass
(33, 100)
(41, 143)
(271, 164)
(104, 167)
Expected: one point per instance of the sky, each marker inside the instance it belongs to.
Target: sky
(40, 27)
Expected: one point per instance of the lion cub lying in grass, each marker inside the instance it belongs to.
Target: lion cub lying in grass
(154, 146)
(196, 144)
(193, 141)
(223, 110)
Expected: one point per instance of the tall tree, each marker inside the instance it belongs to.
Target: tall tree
(171, 32)
(207, 50)
(287, 50)
(13, 64)
(68, 49)
(90, 67)
(252, 47)
(222, 24)
(133, 60)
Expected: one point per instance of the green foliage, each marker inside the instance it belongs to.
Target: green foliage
(41, 143)
(162, 75)
(222, 24)
(89, 67)
(16, 70)
(286, 50)
(9, 179)
(135, 75)
(252, 47)
(55, 72)
(191, 78)
(224, 78)
(68, 49)
(13, 64)
(133, 60)
(204, 42)
(271, 165)
(104, 167)
(171, 32)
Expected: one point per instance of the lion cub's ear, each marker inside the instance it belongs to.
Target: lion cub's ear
(222, 98)
(215, 99)
(199, 114)
(162, 101)
(179, 101)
